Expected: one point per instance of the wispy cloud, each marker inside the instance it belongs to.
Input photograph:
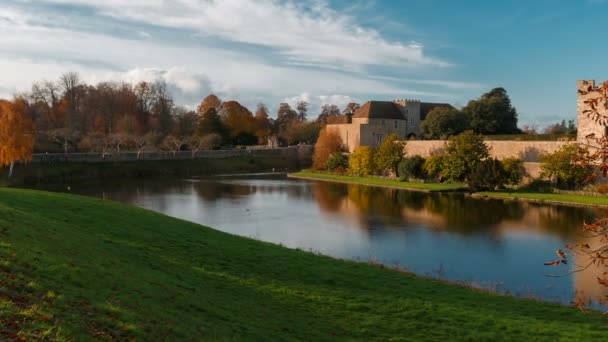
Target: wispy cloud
(309, 33)
(246, 50)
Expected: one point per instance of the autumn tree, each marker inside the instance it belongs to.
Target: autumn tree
(264, 127)
(240, 122)
(16, 133)
(389, 154)
(209, 102)
(329, 142)
(361, 161)
(209, 123)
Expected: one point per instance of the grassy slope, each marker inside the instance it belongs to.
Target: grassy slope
(548, 197)
(378, 181)
(78, 267)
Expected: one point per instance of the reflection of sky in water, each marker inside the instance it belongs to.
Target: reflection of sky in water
(486, 243)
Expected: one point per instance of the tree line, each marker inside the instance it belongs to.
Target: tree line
(70, 115)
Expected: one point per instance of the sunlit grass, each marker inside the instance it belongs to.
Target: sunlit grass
(549, 197)
(76, 268)
(392, 183)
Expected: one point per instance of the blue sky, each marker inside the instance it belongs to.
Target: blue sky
(322, 51)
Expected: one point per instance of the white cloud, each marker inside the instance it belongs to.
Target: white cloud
(302, 34)
(34, 47)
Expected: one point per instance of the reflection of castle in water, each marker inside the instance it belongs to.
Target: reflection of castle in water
(363, 206)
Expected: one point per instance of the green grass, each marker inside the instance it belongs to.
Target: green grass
(76, 268)
(391, 183)
(548, 197)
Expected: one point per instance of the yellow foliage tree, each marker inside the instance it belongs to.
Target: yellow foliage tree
(327, 144)
(16, 133)
(361, 161)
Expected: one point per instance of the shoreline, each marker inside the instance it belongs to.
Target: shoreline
(515, 198)
(361, 181)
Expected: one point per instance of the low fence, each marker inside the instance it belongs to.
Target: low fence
(300, 152)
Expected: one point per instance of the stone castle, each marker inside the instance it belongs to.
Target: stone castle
(373, 121)
(376, 119)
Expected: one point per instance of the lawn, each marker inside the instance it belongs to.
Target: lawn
(77, 268)
(389, 183)
(548, 197)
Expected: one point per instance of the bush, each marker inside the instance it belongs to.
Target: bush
(361, 161)
(489, 174)
(602, 188)
(434, 165)
(515, 170)
(561, 168)
(390, 153)
(337, 160)
(411, 167)
(464, 152)
(539, 185)
(327, 144)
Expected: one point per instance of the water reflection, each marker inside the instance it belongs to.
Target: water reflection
(489, 243)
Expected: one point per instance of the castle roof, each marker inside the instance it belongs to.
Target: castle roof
(426, 107)
(379, 110)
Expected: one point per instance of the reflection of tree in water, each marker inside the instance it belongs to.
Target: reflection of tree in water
(453, 212)
(465, 215)
(564, 220)
(329, 196)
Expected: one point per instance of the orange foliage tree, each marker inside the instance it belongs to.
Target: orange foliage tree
(240, 122)
(329, 142)
(16, 133)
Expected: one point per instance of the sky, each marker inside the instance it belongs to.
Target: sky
(322, 51)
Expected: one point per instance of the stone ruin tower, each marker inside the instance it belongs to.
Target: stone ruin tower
(592, 105)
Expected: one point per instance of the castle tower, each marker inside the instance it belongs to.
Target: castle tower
(588, 126)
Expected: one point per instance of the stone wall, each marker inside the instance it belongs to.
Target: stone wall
(529, 151)
(302, 153)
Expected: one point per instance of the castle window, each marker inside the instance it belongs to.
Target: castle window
(382, 122)
(395, 123)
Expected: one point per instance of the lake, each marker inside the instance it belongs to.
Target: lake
(492, 244)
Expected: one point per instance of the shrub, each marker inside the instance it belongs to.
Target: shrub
(327, 144)
(361, 161)
(389, 154)
(411, 167)
(515, 170)
(489, 174)
(539, 185)
(433, 166)
(464, 152)
(337, 160)
(602, 188)
(561, 168)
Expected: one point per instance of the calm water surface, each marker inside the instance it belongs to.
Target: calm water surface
(488, 243)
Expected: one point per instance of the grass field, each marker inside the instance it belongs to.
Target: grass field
(389, 183)
(76, 268)
(547, 197)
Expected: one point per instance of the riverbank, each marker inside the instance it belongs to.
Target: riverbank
(81, 268)
(380, 182)
(548, 198)
(75, 172)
